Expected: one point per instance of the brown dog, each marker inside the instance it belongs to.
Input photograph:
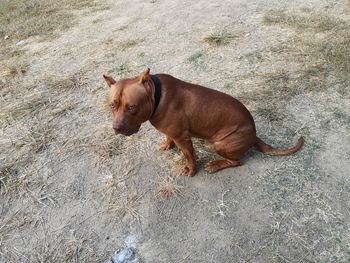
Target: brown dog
(181, 111)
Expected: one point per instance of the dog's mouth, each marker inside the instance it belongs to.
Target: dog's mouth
(127, 131)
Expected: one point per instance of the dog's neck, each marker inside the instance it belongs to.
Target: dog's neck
(157, 91)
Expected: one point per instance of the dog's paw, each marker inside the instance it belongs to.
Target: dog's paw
(187, 171)
(212, 167)
(166, 145)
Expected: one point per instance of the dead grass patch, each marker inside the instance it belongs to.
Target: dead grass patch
(10, 182)
(168, 187)
(17, 152)
(303, 214)
(317, 22)
(220, 38)
(221, 207)
(330, 51)
(64, 247)
(124, 204)
(335, 52)
(195, 57)
(12, 71)
(122, 70)
(78, 249)
(102, 141)
(12, 221)
(341, 116)
(27, 141)
(34, 140)
(119, 198)
(197, 60)
(62, 109)
(105, 143)
(127, 206)
(278, 88)
(70, 83)
(22, 19)
(22, 107)
(321, 56)
(130, 43)
(73, 248)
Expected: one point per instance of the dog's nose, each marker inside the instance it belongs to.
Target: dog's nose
(118, 127)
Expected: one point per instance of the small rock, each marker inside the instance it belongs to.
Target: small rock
(6, 37)
(20, 43)
(121, 256)
(131, 241)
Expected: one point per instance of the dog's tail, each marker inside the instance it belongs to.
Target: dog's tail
(265, 148)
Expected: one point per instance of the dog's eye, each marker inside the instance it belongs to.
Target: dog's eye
(131, 107)
(113, 105)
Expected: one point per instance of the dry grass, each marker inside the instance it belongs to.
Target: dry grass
(168, 187)
(10, 220)
(329, 52)
(33, 140)
(194, 58)
(305, 219)
(303, 215)
(22, 107)
(101, 140)
(14, 221)
(66, 247)
(220, 38)
(7, 71)
(122, 70)
(119, 198)
(18, 153)
(70, 249)
(125, 205)
(305, 225)
(335, 52)
(220, 206)
(42, 18)
(78, 248)
(130, 43)
(278, 88)
(314, 21)
(70, 83)
(28, 122)
(22, 19)
(321, 57)
(11, 184)
(197, 59)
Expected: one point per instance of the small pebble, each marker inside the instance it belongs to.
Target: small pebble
(20, 43)
(121, 256)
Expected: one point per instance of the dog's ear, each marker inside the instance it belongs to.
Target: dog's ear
(145, 76)
(110, 81)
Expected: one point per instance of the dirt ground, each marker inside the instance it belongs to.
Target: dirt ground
(72, 191)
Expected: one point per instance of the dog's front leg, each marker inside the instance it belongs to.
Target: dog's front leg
(185, 145)
(167, 144)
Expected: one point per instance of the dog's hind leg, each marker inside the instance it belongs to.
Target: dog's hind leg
(232, 148)
(216, 165)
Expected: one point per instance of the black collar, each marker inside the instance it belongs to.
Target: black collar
(157, 91)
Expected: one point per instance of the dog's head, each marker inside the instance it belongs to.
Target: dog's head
(131, 102)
